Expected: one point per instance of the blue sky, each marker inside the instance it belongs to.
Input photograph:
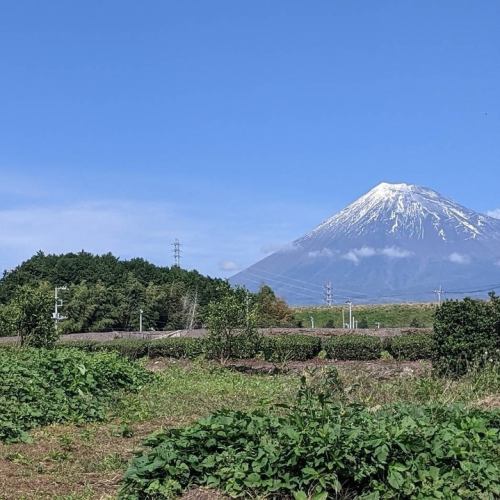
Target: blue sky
(234, 126)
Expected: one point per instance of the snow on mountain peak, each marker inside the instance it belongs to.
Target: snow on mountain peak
(406, 211)
(397, 242)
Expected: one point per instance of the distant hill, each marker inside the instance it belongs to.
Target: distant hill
(397, 243)
(75, 268)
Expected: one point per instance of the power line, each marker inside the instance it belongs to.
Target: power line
(307, 283)
(302, 294)
(283, 283)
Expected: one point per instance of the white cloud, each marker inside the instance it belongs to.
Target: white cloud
(458, 258)
(351, 255)
(494, 213)
(365, 252)
(356, 254)
(228, 265)
(324, 252)
(395, 253)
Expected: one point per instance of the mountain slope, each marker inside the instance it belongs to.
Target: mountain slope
(398, 242)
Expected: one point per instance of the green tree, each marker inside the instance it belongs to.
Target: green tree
(88, 307)
(31, 310)
(130, 297)
(232, 330)
(271, 310)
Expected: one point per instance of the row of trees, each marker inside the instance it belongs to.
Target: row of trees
(100, 308)
(104, 294)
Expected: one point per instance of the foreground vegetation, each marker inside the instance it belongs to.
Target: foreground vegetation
(369, 316)
(319, 450)
(40, 387)
(371, 417)
(87, 461)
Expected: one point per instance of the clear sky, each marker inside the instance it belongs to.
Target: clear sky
(234, 126)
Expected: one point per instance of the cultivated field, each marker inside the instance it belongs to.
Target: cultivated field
(88, 461)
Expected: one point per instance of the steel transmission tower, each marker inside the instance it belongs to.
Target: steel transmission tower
(177, 252)
(328, 294)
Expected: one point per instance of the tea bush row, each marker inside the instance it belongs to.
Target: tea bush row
(40, 387)
(278, 348)
(326, 451)
(275, 348)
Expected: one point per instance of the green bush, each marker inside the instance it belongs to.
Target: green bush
(353, 347)
(466, 335)
(326, 451)
(277, 348)
(290, 347)
(42, 386)
(177, 348)
(410, 347)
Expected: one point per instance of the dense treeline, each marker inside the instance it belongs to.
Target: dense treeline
(105, 293)
(106, 270)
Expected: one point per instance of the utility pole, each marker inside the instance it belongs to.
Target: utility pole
(56, 316)
(193, 310)
(439, 292)
(177, 252)
(312, 322)
(350, 313)
(140, 320)
(247, 307)
(328, 294)
(343, 318)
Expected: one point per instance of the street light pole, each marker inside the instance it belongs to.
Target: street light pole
(57, 304)
(349, 302)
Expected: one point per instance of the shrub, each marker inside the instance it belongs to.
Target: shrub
(232, 326)
(30, 316)
(177, 348)
(42, 386)
(290, 348)
(353, 347)
(410, 347)
(467, 334)
(325, 451)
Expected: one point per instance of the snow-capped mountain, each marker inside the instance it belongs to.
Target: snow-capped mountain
(396, 243)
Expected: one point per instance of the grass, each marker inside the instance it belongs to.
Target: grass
(476, 389)
(186, 391)
(388, 315)
(80, 462)
(88, 461)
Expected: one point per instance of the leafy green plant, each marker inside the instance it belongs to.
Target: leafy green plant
(323, 450)
(42, 386)
(353, 347)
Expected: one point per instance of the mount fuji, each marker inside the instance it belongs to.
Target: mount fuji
(397, 243)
